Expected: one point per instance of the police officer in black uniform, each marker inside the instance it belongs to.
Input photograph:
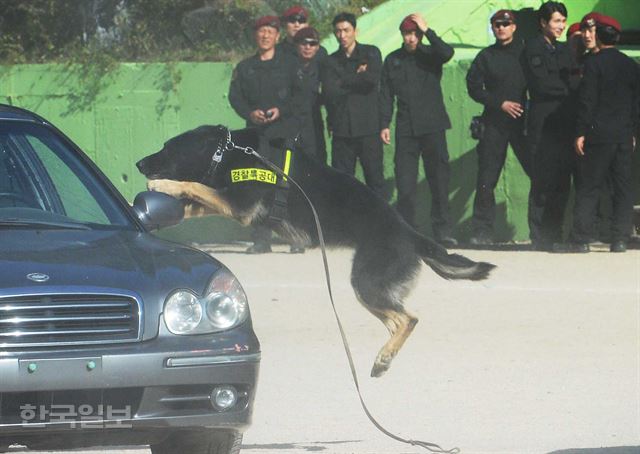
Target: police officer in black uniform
(307, 95)
(547, 66)
(602, 227)
(295, 19)
(411, 75)
(496, 80)
(261, 93)
(351, 84)
(608, 118)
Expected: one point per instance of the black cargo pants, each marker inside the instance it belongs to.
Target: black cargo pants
(435, 159)
(492, 152)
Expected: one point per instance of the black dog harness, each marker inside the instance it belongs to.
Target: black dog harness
(278, 210)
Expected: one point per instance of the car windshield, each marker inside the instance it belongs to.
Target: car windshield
(44, 184)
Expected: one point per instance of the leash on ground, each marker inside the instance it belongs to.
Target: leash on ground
(429, 446)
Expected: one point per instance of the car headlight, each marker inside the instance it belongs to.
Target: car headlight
(223, 306)
(182, 312)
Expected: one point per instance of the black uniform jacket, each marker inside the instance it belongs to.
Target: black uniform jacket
(496, 76)
(258, 84)
(413, 78)
(352, 98)
(307, 102)
(608, 98)
(547, 69)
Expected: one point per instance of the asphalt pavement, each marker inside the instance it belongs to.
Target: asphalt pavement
(544, 357)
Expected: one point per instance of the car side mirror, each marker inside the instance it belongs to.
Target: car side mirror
(157, 210)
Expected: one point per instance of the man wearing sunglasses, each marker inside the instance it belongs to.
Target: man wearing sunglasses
(411, 77)
(496, 80)
(295, 19)
(307, 95)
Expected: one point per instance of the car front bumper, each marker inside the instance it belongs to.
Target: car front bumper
(162, 383)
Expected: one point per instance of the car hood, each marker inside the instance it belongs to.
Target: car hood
(92, 261)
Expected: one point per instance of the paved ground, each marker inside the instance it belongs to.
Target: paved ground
(542, 358)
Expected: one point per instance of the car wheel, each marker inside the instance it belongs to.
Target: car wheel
(200, 442)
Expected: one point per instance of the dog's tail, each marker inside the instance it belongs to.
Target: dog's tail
(450, 266)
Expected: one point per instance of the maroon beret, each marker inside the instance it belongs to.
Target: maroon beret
(306, 34)
(268, 21)
(408, 25)
(296, 11)
(589, 20)
(574, 28)
(504, 15)
(608, 21)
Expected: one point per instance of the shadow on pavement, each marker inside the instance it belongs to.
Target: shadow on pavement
(616, 450)
(309, 447)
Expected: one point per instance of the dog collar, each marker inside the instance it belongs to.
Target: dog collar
(221, 149)
(269, 175)
(216, 159)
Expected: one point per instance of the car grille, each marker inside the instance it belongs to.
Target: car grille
(50, 320)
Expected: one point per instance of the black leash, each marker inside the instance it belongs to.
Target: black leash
(432, 447)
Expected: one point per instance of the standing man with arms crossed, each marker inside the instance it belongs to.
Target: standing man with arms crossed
(496, 80)
(547, 66)
(261, 93)
(411, 75)
(608, 118)
(351, 85)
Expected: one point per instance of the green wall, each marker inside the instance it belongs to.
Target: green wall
(128, 114)
(125, 114)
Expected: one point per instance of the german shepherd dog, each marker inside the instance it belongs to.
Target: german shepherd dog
(388, 251)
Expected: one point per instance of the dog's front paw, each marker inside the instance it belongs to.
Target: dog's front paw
(170, 187)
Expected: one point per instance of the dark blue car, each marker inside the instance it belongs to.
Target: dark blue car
(108, 334)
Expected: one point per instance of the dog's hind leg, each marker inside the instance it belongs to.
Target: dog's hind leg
(400, 324)
(380, 286)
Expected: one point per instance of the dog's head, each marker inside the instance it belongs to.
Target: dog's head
(186, 157)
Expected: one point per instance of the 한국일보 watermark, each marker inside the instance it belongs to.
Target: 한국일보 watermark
(83, 416)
